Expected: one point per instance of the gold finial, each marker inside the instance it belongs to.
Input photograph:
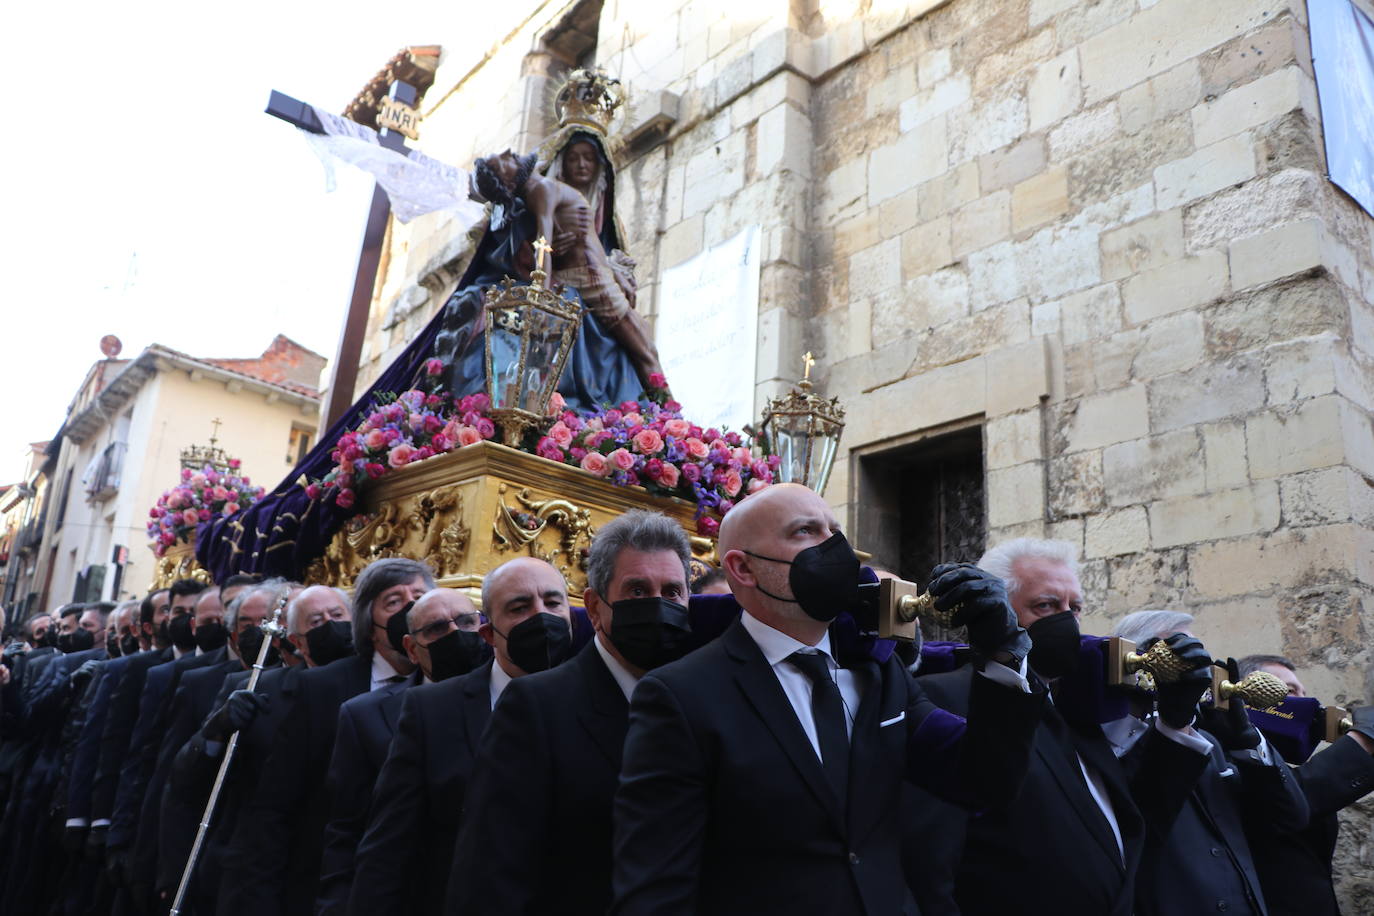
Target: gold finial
(541, 249)
(807, 362)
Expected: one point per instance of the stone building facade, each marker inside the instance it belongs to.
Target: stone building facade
(1084, 247)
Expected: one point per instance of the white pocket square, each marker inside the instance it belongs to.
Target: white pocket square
(894, 720)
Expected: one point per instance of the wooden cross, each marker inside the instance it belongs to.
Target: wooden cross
(807, 362)
(541, 249)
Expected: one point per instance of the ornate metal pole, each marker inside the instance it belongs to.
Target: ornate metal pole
(273, 628)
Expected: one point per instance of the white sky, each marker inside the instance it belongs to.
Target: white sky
(137, 128)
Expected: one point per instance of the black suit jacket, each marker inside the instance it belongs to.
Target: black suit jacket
(413, 824)
(724, 806)
(363, 735)
(1051, 850)
(120, 717)
(1203, 862)
(280, 832)
(1295, 865)
(81, 779)
(178, 818)
(536, 826)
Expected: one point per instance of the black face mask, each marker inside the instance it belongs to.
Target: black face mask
(179, 631)
(78, 640)
(330, 641)
(396, 628)
(539, 643)
(250, 644)
(455, 653)
(49, 639)
(211, 636)
(824, 578)
(164, 633)
(112, 645)
(128, 644)
(1054, 645)
(649, 632)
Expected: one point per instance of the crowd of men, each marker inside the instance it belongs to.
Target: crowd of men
(748, 749)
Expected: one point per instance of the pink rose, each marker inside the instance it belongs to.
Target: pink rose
(632, 418)
(657, 380)
(648, 442)
(345, 498)
(595, 463)
(313, 491)
(374, 470)
(692, 472)
(468, 435)
(219, 493)
(733, 482)
(203, 515)
(547, 448)
(678, 429)
(621, 459)
(485, 428)
(708, 526)
(234, 463)
(627, 406)
(230, 508)
(480, 401)
(697, 449)
(742, 456)
(434, 366)
(725, 505)
(653, 468)
(612, 417)
(556, 403)
(167, 538)
(560, 433)
(433, 424)
(669, 475)
(757, 484)
(441, 442)
(422, 453)
(198, 480)
(185, 473)
(733, 438)
(190, 516)
(400, 455)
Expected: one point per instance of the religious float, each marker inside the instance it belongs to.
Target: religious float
(515, 424)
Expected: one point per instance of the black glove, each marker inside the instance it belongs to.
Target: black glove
(1362, 721)
(1177, 700)
(1232, 726)
(986, 611)
(74, 839)
(116, 859)
(95, 843)
(82, 675)
(238, 711)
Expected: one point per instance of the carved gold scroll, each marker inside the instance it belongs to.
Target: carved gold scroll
(469, 511)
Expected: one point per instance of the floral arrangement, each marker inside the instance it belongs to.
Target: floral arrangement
(200, 496)
(647, 443)
(643, 443)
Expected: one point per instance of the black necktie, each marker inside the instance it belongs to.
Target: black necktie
(827, 708)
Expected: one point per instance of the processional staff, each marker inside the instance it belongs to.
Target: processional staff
(272, 629)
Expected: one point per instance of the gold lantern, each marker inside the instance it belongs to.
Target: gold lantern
(803, 430)
(530, 331)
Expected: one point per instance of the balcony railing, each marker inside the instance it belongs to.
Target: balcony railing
(104, 483)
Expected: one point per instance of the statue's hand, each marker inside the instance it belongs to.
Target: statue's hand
(564, 242)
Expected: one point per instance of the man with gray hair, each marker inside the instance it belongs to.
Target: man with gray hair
(990, 863)
(280, 835)
(538, 816)
(1200, 857)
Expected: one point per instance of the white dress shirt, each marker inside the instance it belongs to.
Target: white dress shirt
(623, 678)
(499, 680)
(382, 672)
(776, 647)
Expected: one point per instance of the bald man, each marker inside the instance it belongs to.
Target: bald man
(422, 786)
(761, 775)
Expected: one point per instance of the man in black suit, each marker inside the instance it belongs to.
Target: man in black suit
(1202, 859)
(1077, 805)
(538, 812)
(1295, 865)
(414, 819)
(367, 724)
(182, 804)
(762, 776)
(280, 832)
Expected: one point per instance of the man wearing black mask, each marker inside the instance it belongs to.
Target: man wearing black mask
(1077, 805)
(420, 792)
(538, 815)
(440, 636)
(280, 833)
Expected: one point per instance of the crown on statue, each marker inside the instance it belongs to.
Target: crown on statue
(589, 98)
(196, 457)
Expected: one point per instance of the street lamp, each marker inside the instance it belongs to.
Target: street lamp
(530, 330)
(803, 430)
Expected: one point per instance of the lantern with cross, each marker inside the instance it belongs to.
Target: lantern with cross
(803, 430)
(530, 330)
